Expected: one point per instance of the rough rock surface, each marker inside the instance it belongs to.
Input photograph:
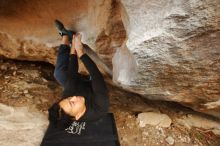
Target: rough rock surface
(27, 29)
(167, 50)
(196, 121)
(175, 47)
(153, 118)
(21, 125)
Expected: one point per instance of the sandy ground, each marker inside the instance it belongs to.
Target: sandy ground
(32, 85)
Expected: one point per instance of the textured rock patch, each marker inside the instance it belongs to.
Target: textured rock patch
(21, 125)
(155, 119)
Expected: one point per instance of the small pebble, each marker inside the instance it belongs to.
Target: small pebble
(44, 80)
(15, 95)
(28, 96)
(14, 73)
(3, 67)
(170, 140)
(13, 68)
(26, 91)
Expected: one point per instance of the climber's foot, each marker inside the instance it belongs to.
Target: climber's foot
(63, 31)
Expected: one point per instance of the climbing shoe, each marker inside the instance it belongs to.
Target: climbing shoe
(63, 31)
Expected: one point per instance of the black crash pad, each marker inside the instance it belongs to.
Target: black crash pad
(97, 133)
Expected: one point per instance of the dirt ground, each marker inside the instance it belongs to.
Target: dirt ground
(32, 84)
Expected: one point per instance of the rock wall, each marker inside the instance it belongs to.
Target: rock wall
(175, 45)
(166, 50)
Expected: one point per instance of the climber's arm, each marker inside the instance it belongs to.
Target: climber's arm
(101, 101)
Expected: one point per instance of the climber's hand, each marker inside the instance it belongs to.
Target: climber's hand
(78, 45)
(73, 49)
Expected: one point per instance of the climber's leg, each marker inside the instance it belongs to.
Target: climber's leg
(60, 72)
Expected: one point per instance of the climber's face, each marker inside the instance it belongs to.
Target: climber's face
(74, 106)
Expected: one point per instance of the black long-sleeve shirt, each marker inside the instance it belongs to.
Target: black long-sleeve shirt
(99, 103)
(94, 91)
(96, 127)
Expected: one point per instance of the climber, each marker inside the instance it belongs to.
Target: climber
(81, 116)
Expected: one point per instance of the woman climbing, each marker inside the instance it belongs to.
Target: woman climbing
(81, 116)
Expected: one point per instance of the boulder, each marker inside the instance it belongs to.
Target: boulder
(172, 52)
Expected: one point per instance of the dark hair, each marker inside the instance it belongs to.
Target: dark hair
(58, 117)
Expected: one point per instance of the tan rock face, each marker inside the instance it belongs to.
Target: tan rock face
(165, 50)
(27, 29)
